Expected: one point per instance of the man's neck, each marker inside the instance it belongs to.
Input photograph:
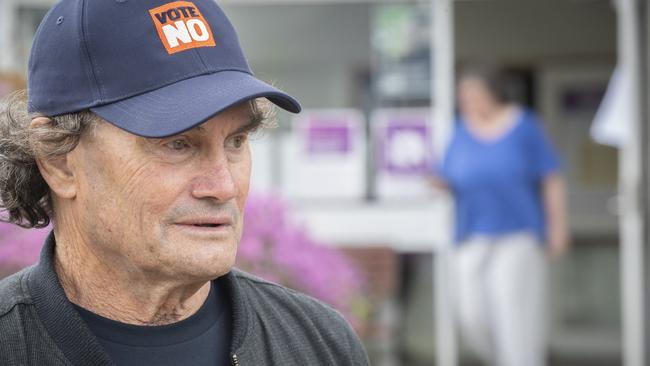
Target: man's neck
(122, 294)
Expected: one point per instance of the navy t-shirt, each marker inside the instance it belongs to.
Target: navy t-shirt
(202, 339)
(497, 184)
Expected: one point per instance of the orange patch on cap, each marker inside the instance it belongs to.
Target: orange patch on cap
(181, 27)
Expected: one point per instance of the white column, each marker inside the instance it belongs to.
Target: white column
(630, 182)
(442, 103)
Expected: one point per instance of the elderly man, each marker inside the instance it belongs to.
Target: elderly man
(133, 142)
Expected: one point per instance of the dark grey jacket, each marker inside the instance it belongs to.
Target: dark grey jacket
(272, 325)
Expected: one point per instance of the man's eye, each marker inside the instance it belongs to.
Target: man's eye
(177, 145)
(238, 141)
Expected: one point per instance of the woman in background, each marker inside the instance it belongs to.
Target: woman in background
(510, 216)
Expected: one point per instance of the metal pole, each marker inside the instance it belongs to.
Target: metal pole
(632, 190)
(442, 103)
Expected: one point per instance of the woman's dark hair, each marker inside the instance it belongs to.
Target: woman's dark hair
(497, 80)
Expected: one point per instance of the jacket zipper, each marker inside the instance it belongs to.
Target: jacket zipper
(234, 360)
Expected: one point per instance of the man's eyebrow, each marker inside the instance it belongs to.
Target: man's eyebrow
(254, 122)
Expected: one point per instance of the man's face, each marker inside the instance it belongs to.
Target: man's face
(170, 207)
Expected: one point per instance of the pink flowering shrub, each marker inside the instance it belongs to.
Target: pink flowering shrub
(276, 249)
(19, 247)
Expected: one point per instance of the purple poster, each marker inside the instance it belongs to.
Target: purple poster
(328, 137)
(405, 146)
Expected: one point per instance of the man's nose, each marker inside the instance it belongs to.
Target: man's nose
(216, 181)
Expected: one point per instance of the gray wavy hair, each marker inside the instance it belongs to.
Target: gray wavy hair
(24, 194)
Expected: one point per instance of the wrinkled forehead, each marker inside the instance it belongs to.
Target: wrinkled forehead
(242, 117)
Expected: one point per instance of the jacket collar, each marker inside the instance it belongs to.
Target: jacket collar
(70, 332)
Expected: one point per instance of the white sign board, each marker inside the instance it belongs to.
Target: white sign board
(325, 155)
(403, 152)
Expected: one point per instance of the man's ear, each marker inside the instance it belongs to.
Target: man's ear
(56, 170)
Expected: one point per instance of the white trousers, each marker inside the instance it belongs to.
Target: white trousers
(501, 293)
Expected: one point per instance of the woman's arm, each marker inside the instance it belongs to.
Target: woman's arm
(437, 182)
(554, 200)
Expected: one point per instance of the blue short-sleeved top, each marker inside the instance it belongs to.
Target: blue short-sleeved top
(497, 184)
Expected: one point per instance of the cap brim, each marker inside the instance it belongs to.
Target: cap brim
(188, 103)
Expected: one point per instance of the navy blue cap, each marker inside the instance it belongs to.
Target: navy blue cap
(151, 67)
